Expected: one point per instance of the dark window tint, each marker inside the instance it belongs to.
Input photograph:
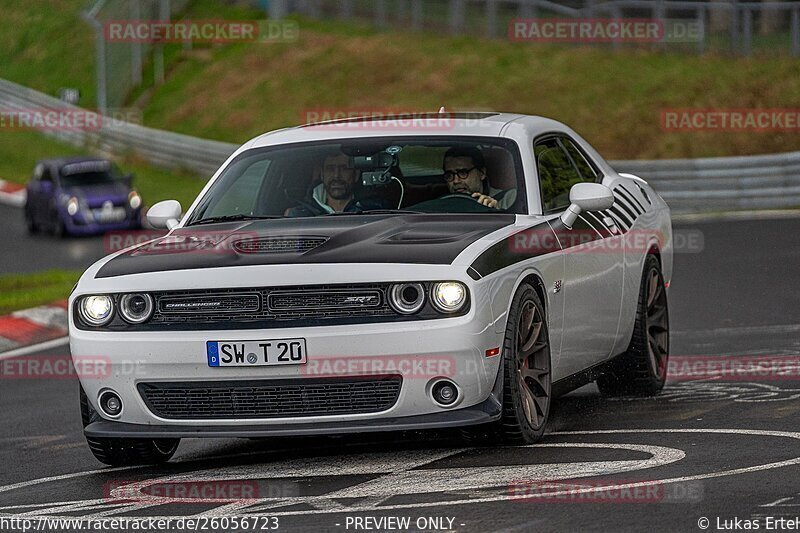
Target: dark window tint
(557, 174)
(587, 172)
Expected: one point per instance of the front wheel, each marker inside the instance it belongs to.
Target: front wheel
(58, 230)
(642, 369)
(125, 452)
(526, 375)
(30, 223)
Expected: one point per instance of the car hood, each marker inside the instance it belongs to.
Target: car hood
(419, 239)
(96, 194)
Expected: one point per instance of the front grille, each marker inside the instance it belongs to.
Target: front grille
(285, 301)
(273, 245)
(271, 306)
(221, 303)
(97, 203)
(270, 398)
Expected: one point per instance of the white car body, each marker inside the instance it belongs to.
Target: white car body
(590, 300)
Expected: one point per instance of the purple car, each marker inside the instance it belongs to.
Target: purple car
(81, 196)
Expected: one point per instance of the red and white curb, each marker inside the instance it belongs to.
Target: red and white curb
(33, 326)
(12, 193)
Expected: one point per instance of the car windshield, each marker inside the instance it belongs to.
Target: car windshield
(368, 176)
(89, 173)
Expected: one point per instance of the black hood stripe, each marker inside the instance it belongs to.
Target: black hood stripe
(540, 239)
(530, 242)
(417, 239)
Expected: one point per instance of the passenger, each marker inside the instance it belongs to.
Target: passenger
(336, 192)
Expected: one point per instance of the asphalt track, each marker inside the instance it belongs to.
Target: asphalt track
(722, 449)
(21, 252)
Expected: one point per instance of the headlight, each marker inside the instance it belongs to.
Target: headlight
(96, 310)
(407, 298)
(134, 200)
(136, 308)
(449, 296)
(72, 206)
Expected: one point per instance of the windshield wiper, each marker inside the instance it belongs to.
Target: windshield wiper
(231, 218)
(378, 212)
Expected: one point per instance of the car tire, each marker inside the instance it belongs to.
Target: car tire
(526, 376)
(58, 229)
(125, 452)
(30, 223)
(642, 369)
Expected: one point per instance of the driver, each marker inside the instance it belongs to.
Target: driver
(465, 172)
(336, 192)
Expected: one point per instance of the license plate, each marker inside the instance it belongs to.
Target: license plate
(116, 214)
(256, 353)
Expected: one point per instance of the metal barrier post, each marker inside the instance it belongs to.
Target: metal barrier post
(100, 56)
(136, 47)
(491, 18)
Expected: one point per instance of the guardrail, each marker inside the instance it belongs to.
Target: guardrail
(688, 185)
(160, 148)
(722, 183)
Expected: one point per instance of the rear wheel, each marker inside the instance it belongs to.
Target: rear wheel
(124, 452)
(526, 375)
(642, 369)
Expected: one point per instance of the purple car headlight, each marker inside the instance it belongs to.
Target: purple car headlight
(134, 200)
(73, 206)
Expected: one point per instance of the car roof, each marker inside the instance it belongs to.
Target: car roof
(476, 124)
(59, 162)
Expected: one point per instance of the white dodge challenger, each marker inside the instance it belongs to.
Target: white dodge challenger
(435, 271)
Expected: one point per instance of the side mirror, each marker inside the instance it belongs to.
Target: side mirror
(586, 197)
(166, 214)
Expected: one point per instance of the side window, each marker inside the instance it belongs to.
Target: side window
(45, 175)
(586, 169)
(557, 174)
(242, 195)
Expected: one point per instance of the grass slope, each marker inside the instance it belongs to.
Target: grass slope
(614, 99)
(235, 91)
(22, 291)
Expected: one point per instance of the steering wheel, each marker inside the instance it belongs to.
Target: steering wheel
(454, 203)
(458, 195)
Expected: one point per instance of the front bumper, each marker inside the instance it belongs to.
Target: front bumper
(487, 411)
(79, 224)
(457, 347)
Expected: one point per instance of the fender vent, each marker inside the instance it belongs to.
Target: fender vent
(278, 245)
(630, 198)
